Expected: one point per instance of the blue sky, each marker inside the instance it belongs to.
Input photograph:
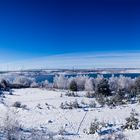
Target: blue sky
(40, 29)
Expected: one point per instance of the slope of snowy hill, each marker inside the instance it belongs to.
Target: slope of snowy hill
(41, 108)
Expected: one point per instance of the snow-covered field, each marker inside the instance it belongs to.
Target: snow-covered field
(43, 110)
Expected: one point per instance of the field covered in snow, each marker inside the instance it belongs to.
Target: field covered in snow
(42, 110)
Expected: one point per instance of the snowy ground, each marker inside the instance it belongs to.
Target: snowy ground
(43, 110)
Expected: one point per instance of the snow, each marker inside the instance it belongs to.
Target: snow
(131, 71)
(53, 117)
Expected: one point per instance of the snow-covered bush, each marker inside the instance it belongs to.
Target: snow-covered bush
(65, 106)
(114, 136)
(62, 130)
(71, 94)
(70, 105)
(36, 134)
(12, 129)
(83, 102)
(90, 94)
(118, 99)
(95, 126)
(132, 122)
(17, 104)
(41, 133)
(75, 104)
(92, 104)
(101, 100)
(62, 106)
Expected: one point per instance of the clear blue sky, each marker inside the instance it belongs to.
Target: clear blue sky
(39, 28)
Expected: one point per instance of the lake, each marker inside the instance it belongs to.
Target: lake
(40, 78)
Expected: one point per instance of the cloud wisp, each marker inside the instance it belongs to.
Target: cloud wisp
(78, 60)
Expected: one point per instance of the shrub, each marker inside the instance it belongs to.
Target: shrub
(132, 91)
(71, 94)
(83, 102)
(40, 134)
(94, 127)
(17, 104)
(39, 106)
(120, 97)
(90, 94)
(12, 129)
(65, 106)
(101, 100)
(70, 105)
(132, 122)
(75, 104)
(110, 102)
(114, 136)
(62, 131)
(4, 85)
(92, 104)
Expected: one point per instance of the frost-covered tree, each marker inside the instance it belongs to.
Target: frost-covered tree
(89, 85)
(23, 81)
(47, 84)
(137, 84)
(34, 85)
(80, 80)
(124, 82)
(113, 84)
(98, 79)
(60, 81)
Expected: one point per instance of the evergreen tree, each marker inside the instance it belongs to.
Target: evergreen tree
(103, 88)
(73, 86)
